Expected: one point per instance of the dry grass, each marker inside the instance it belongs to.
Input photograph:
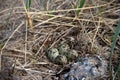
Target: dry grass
(90, 33)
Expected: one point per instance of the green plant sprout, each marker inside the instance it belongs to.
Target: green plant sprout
(82, 2)
(117, 31)
(28, 3)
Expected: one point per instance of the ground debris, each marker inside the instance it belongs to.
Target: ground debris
(7, 69)
(88, 68)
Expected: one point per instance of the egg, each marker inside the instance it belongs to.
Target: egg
(72, 54)
(61, 59)
(63, 48)
(52, 54)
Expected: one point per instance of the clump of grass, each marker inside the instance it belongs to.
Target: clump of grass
(115, 37)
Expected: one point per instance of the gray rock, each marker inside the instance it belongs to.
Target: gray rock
(88, 68)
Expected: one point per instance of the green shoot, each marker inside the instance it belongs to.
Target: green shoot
(28, 3)
(117, 31)
(82, 2)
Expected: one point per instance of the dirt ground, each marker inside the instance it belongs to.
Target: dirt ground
(23, 48)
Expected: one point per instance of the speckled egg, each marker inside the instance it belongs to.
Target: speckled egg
(63, 48)
(52, 54)
(72, 54)
(61, 59)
